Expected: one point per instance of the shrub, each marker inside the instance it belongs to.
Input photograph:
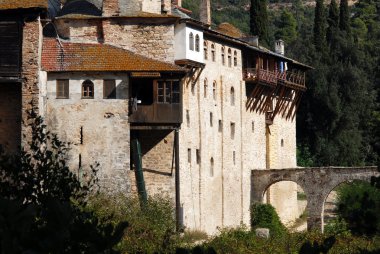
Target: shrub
(42, 204)
(152, 227)
(265, 216)
(359, 206)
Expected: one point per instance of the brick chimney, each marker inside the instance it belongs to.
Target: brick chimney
(205, 11)
(279, 47)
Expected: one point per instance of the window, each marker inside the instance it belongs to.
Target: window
(62, 89)
(232, 130)
(205, 88)
(214, 90)
(168, 91)
(187, 118)
(198, 155)
(253, 126)
(235, 58)
(109, 89)
(229, 58)
(212, 167)
(232, 94)
(282, 143)
(87, 89)
(197, 41)
(234, 157)
(213, 52)
(222, 55)
(220, 126)
(211, 120)
(191, 41)
(189, 155)
(205, 50)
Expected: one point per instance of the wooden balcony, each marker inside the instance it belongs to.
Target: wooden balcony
(294, 80)
(157, 113)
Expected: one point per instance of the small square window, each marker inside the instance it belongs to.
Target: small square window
(62, 89)
(109, 89)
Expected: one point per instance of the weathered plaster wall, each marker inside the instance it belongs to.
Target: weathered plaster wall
(104, 124)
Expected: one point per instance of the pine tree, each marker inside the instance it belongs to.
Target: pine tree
(332, 20)
(344, 16)
(259, 19)
(319, 25)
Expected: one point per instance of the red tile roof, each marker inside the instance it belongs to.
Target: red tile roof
(22, 4)
(97, 57)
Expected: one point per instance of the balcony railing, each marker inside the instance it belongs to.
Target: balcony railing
(287, 78)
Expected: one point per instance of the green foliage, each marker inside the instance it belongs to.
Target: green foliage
(319, 25)
(42, 202)
(332, 20)
(259, 20)
(344, 16)
(287, 27)
(359, 206)
(151, 228)
(337, 226)
(265, 216)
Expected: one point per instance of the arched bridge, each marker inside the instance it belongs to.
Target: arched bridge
(317, 183)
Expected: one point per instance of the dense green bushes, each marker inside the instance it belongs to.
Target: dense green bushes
(359, 205)
(265, 216)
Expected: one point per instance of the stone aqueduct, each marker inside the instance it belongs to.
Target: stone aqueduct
(317, 183)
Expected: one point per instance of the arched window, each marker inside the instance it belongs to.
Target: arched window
(197, 41)
(235, 58)
(232, 96)
(205, 50)
(205, 88)
(214, 90)
(87, 89)
(222, 54)
(212, 166)
(191, 41)
(229, 58)
(213, 52)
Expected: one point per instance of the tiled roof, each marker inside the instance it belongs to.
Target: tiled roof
(97, 57)
(22, 4)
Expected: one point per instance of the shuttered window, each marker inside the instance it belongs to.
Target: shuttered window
(168, 91)
(109, 89)
(62, 88)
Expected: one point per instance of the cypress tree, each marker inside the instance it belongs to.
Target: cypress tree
(319, 25)
(344, 16)
(332, 20)
(259, 19)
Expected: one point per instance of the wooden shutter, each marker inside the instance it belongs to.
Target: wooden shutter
(63, 88)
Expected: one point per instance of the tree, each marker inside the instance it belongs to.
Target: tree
(319, 25)
(287, 27)
(43, 205)
(259, 20)
(344, 17)
(332, 20)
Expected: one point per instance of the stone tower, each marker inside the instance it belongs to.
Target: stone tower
(205, 12)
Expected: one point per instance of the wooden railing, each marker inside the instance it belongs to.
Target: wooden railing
(292, 79)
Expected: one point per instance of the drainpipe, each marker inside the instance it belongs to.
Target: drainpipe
(177, 189)
(136, 148)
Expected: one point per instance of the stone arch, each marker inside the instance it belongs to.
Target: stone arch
(316, 183)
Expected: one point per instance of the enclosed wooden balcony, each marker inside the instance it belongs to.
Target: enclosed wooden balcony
(295, 80)
(156, 102)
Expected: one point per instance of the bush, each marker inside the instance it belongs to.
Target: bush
(265, 216)
(42, 204)
(152, 227)
(359, 206)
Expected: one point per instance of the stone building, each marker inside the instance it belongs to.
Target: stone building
(205, 105)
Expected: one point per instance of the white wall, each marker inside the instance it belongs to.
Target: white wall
(182, 45)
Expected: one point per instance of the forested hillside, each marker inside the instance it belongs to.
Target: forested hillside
(338, 122)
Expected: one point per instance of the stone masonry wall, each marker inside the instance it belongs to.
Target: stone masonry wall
(98, 128)
(31, 60)
(151, 40)
(80, 30)
(10, 117)
(157, 162)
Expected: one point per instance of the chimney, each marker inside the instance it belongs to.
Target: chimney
(252, 40)
(279, 47)
(205, 12)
